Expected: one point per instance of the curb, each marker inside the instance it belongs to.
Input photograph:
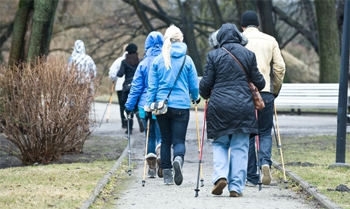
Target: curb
(101, 184)
(322, 199)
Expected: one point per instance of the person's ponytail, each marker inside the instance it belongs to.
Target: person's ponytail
(172, 34)
(166, 52)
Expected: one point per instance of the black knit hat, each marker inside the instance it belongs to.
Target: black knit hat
(249, 18)
(131, 48)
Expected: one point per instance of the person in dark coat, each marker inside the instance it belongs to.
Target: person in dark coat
(231, 112)
(127, 69)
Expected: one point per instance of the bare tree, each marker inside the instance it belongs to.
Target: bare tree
(328, 41)
(32, 29)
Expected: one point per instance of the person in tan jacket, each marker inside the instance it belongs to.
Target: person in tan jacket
(271, 65)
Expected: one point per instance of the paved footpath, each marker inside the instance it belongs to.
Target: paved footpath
(157, 195)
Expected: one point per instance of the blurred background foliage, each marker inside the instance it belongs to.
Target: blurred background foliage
(105, 26)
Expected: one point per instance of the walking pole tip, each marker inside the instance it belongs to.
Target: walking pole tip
(143, 183)
(197, 190)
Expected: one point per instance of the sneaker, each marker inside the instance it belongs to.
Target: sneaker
(219, 186)
(160, 172)
(151, 159)
(250, 184)
(177, 165)
(266, 174)
(235, 194)
(168, 177)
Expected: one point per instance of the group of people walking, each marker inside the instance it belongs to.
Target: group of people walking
(167, 76)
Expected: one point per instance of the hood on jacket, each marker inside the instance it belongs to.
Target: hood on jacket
(229, 33)
(154, 43)
(178, 49)
(79, 47)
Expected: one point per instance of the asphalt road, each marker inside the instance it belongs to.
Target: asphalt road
(157, 195)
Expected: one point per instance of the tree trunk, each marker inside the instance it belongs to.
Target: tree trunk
(19, 30)
(267, 23)
(189, 36)
(44, 15)
(215, 10)
(243, 6)
(328, 39)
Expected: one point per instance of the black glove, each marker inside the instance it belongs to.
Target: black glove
(275, 95)
(148, 116)
(196, 101)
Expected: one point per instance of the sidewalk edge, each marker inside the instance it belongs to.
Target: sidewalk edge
(322, 199)
(101, 184)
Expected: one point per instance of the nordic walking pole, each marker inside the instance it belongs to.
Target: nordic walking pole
(129, 151)
(145, 164)
(279, 147)
(201, 149)
(257, 153)
(110, 99)
(198, 140)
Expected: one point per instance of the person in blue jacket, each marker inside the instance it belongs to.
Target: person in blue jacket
(173, 124)
(138, 94)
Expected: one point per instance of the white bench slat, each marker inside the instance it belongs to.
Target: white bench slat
(308, 95)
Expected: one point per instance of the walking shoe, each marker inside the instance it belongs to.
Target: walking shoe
(168, 177)
(250, 184)
(266, 174)
(160, 172)
(177, 165)
(151, 159)
(219, 186)
(235, 194)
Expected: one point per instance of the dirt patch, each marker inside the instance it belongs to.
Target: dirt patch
(96, 147)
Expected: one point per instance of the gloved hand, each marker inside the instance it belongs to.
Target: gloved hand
(275, 95)
(148, 116)
(147, 108)
(196, 101)
(127, 113)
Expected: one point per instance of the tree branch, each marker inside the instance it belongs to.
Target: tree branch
(299, 27)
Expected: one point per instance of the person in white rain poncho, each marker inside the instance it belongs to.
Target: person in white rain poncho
(82, 61)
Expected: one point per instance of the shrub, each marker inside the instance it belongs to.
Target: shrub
(45, 109)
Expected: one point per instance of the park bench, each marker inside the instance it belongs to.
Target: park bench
(308, 96)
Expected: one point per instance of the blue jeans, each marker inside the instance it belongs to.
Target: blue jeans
(154, 137)
(173, 128)
(265, 123)
(235, 168)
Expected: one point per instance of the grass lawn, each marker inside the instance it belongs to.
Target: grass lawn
(310, 157)
(65, 184)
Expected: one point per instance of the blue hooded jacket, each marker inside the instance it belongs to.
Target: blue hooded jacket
(139, 84)
(161, 80)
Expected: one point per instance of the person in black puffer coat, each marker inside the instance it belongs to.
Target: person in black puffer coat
(231, 111)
